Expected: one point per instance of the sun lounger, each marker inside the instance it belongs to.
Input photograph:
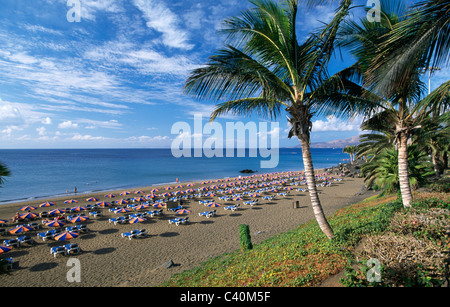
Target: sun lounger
(34, 225)
(178, 221)
(11, 263)
(45, 235)
(72, 248)
(57, 250)
(25, 239)
(82, 228)
(130, 235)
(251, 202)
(175, 209)
(232, 208)
(11, 242)
(142, 233)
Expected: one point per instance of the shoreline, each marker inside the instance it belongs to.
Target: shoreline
(111, 260)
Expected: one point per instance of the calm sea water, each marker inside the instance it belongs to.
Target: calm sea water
(44, 173)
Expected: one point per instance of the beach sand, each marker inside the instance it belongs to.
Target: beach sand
(111, 260)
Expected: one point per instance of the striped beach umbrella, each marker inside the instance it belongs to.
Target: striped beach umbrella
(71, 201)
(159, 205)
(28, 215)
(110, 195)
(122, 202)
(237, 198)
(47, 204)
(124, 193)
(213, 205)
(27, 208)
(136, 220)
(103, 204)
(122, 210)
(183, 211)
(80, 218)
(92, 199)
(58, 223)
(3, 222)
(139, 199)
(141, 206)
(154, 190)
(56, 211)
(5, 249)
(255, 195)
(138, 192)
(168, 188)
(20, 229)
(78, 209)
(66, 236)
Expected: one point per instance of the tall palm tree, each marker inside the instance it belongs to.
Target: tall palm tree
(4, 172)
(402, 110)
(264, 69)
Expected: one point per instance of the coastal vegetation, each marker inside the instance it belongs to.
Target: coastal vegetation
(410, 242)
(4, 172)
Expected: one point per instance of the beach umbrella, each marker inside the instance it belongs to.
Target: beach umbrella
(122, 202)
(213, 205)
(55, 223)
(124, 193)
(141, 206)
(103, 204)
(3, 221)
(138, 192)
(154, 190)
(78, 209)
(210, 194)
(122, 210)
(255, 195)
(168, 188)
(92, 199)
(27, 208)
(20, 229)
(66, 236)
(166, 194)
(136, 220)
(47, 204)
(80, 218)
(178, 186)
(139, 199)
(5, 249)
(288, 188)
(28, 215)
(159, 205)
(183, 211)
(190, 191)
(56, 211)
(110, 195)
(150, 196)
(237, 198)
(70, 201)
(190, 184)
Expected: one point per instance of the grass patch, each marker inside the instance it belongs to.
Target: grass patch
(302, 256)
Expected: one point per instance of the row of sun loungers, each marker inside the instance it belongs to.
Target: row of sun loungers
(66, 249)
(136, 233)
(20, 241)
(179, 220)
(208, 214)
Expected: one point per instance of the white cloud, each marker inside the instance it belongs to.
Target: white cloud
(334, 124)
(41, 130)
(160, 18)
(67, 125)
(47, 121)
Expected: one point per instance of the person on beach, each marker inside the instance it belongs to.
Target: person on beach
(16, 217)
(75, 190)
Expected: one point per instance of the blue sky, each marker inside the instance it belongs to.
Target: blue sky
(115, 78)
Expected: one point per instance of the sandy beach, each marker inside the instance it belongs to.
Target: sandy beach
(108, 259)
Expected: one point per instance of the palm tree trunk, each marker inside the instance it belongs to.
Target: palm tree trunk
(311, 180)
(403, 174)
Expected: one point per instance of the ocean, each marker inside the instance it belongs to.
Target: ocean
(46, 173)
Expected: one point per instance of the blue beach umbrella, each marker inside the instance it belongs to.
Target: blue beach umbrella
(213, 205)
(70, 201)
(80, 218)
(92, 199)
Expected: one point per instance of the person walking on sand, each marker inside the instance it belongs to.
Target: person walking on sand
(75, 190)
(177, 180)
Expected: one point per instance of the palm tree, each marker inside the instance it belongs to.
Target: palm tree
(4, 172)
(351, 150)
(401, 111)
(264, 69)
